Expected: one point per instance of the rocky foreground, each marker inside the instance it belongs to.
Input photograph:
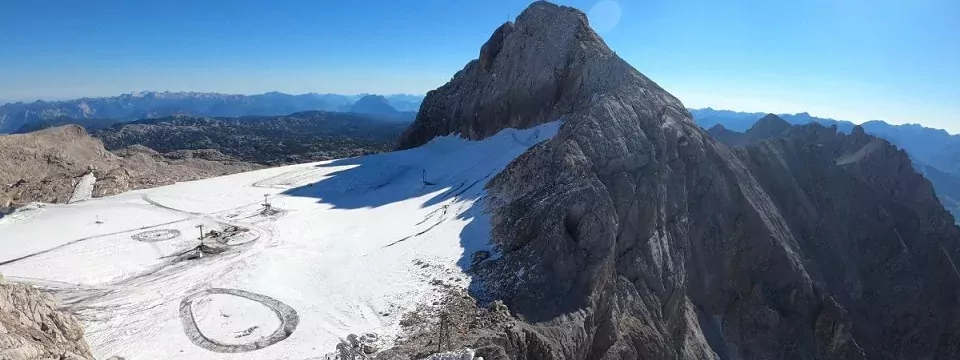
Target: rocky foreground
(31, 326)
(633, 234)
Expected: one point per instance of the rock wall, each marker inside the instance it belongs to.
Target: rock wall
(633, 234)
(31, 327)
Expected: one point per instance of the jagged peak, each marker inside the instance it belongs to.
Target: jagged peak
(772, 119)
(717, 127)
(858, 131)
(553, 26)
(542, 15)
(374, 97)
(546, 64)
(372, 104)
(769, 125)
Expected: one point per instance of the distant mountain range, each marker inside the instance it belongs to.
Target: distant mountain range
(144, 105)
(935, 153)
(934, 147)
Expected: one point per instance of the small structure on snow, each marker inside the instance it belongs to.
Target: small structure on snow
(424, 178)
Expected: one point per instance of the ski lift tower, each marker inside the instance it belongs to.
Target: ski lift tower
(200, 247)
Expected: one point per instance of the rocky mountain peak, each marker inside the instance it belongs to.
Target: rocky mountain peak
(632, 235)
(540, 18)
(545, 65)
(858, 131)
(372, 104)
(768, 126)
(771, 121)
(717, 128)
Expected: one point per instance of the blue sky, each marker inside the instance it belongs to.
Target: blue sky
(895, 60)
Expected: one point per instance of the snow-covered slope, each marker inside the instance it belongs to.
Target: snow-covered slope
(84, 189)
(346, 247)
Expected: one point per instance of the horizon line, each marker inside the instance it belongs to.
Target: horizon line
(4, 102)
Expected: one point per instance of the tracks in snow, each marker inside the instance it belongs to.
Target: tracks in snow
(287, 315)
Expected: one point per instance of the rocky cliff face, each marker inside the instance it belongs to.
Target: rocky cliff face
(946, 186)
(31, 327)
(633, 234)
(542, 67)
(47, 165)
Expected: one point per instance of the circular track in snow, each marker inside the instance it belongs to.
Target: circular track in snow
(157, 235)
(287, 316)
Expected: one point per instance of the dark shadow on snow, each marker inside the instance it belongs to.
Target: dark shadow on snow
(454, 174)
(377, 180)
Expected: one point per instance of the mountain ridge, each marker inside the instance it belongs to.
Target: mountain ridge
(48, 165)
(710, 116)
(932, 146)
(373, 104)
(947, 185)
(150, 104)
(633, 234)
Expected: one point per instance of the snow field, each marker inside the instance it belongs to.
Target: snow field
(353, 245)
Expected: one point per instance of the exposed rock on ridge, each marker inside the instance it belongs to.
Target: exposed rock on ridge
(46, 165)
(633, 234)
(31, 327)
(946, 185)
(769, 126)
(547, 64)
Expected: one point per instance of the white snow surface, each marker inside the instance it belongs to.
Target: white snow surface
(353, 245)
(84, 189)
(464, 354)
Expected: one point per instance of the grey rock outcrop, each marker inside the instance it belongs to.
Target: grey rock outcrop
(31, 327)
(639, 236)
(947, 186)
(46, 165)
(545, 65)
